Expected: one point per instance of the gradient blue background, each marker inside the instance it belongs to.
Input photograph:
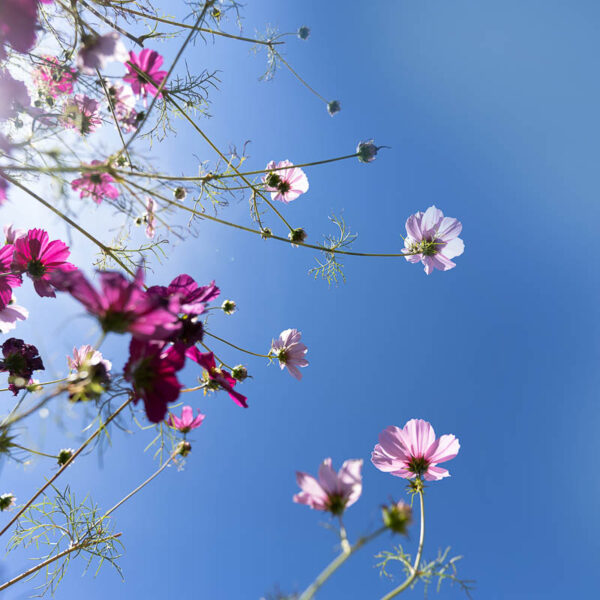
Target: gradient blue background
(491, 109)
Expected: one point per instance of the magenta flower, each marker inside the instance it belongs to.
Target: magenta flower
(433, 239)
(290, 351)
(18, 22)
(14, 95)
(13, 233)
(414, 451)
(8, 279)
(20, 360)
(216, 378)
(86, 356)
(149, 62)
(285, 183)
(99, 50)
(192, 298)
(82, 113)
(10, 314)
(187, 421)
(122, 306)
(54, 78)
(152, 368)
(334, 492)
(40, 258)
(96, 185)
(3, 188)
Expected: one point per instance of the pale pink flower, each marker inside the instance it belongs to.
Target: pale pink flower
(99, 50)
(334, 492)
(187, 421)
(82, 113)
(150, 217)
(290, 351)
(96, 185)
(414, 451)
(12, 234)
(55, 79)
(433, 239)
(85, 356)
(10, 314)
(284, 181)
(123, 101)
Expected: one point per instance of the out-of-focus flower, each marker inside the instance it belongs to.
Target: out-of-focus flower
(20, 360)
(18, 23)
(303, 32)
(82, 113)
(3, 188)
(64, 456)
(414, 451)
(397, 516)
(334, 107)
(96, 185)
(216, 378)
(10, 314)
(14, 94)
(179, 193)
(90, 376)
(53, 78)
(433, 239)
(148, 62)
(87, 355)
(122, 101)
(187, 421)
(40, 258)
(290, 351)
(150, 217)
(97, 50)
(284, 181)
(8, 279)
(121, 305)
(7, 501)
(152, 368)
(334, 492)
(12, 233)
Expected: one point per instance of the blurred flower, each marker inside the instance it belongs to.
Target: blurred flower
(20, 360)
(334, 492)
(8, 279)
(97, 50)
(152, 368)
(149, 62)
(333, 107)
(433, 239)
(150, 217)
(82, 113)
(7, 501)
(397, 516)
(96, 185)
(84, 356)
(290, 351)
(179, 193)
(216, 378)
(303, 32)
(3, 188)
(414, 451)
(12, 233)
(18, 23)
(10, 314)
(53, 78)
(187, 421)
(14, 94)
(90, 374)
(122, 305)
(122, 101)
(40, 258)
(284, 181)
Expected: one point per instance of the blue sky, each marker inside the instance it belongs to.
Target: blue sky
(491, 112)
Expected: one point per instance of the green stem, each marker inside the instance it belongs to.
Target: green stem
(297, 76)
(415, 568)
(336, 564)
(39, 384)
(31, 451)
(236, 347)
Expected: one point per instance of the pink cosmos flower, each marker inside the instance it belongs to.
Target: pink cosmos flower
(85, 356)
(216, 378)
(149, 62)
(150, 217)
(433, 239)
(18, 22)
(40, 258)
(123, 102)
(82, 113)
(99, 50)
(187, 421)
(54, 78)
(13, 233)
(11, 314)
(152, 368)
(14, 96)
(414, 451)
(122, 306)
(290, 351)
(8, 279)
(285, 183)
(334, 492)
(96, 185)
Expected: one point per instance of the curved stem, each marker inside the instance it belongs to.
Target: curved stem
(236, 347)
(31, 451)
(337, 563)
(297, 76)
(415, 568)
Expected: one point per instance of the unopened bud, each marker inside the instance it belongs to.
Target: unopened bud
(229, 307)
(266, 233)
(397, 516)
(366, 151)
(239, 372)
(297, 235)
(64, 456)
(179, 193)
(7, 501)
(333, 107)
(303, 32)
(184, 448)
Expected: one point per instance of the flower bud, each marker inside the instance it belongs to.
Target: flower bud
(397, 516)
(239, 372)
(297, 235)
(184, 448)
(303, 32)
(366, 151)
(64, 456)
(266, 233)
(229, 307)
(179, 193)
(7, 501)
(333, 107)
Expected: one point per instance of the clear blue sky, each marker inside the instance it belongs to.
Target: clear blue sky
(491, 109)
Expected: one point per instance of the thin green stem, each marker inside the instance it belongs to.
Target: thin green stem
(32, 451)
(297, 76)
(39, 384)
(236, 347)
(415, 568)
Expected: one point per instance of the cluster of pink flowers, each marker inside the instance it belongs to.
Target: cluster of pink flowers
(53, 78)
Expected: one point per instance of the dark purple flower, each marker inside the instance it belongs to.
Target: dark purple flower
(20, 361)
(152, 368)
(121, 305)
